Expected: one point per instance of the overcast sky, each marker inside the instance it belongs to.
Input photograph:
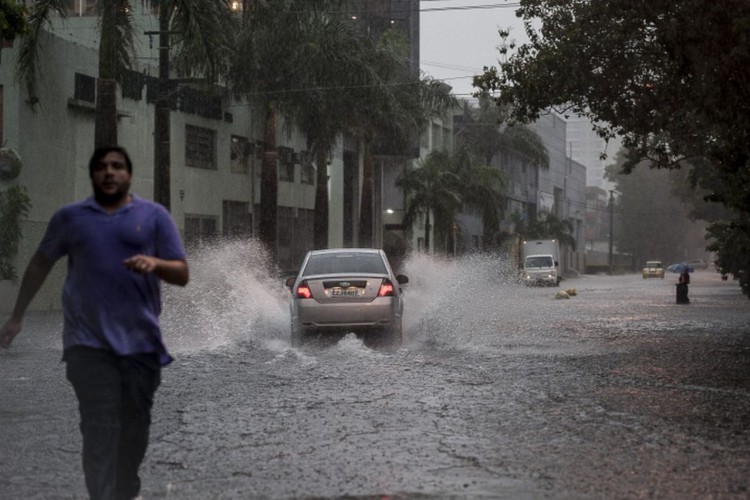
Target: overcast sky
(459, 38)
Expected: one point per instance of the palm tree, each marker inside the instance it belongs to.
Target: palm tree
(265, 69)
(390, 122)
(342, 77)
(485, 132)
(547, 225)
(483, 191)
(308, 61)
(202, 44)
(433, 187)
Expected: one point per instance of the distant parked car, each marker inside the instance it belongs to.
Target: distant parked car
(698, 263)
(653, 269)
(349, 290)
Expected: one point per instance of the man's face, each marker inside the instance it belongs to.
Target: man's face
(111, 179)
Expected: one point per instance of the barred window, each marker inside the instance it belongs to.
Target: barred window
(85, 88)
(200, 229)
(132, 85)
(286, 164)
(200, 147)
(237, 220)
(307, 171)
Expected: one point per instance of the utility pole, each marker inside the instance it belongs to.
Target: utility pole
(162, 129)
(611, 225)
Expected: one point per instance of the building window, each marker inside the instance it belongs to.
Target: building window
(85, 88)
(308, 174)
(200, 229)
(240, 154)
(200, 147)
(132, 85)
(237, 219)
(286, 164)
(307, 171)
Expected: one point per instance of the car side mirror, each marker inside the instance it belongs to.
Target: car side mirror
(402, 280)
(290, 282)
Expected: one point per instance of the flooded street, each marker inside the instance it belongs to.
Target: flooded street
(499, 391)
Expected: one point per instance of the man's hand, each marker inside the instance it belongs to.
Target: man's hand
(8, 332)
(174, 272)
(142, 263)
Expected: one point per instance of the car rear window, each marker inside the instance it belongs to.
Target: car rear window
(336, 263)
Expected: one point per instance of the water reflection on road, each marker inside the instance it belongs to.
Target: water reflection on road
(499, 391)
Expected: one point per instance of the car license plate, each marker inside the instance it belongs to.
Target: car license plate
(352, 291)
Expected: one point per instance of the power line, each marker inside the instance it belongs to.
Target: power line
(472, 7)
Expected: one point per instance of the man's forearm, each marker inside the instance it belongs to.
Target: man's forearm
(174, 272)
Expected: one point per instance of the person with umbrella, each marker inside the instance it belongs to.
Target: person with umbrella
(682, 282)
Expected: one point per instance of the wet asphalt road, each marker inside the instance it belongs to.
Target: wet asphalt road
(500, 391)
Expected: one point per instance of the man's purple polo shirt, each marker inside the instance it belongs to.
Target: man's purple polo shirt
(106, 305)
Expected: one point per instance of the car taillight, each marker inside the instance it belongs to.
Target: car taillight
(386, 289)
(303, 291)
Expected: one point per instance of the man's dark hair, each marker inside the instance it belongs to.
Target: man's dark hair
(100, 153)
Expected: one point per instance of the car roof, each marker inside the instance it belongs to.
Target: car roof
(344, 250)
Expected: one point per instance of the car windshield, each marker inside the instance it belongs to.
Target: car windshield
(653, 264)
(540, 261)
(338, 263)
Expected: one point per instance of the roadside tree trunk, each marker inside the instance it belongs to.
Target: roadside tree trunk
(269, 187)
(321, 202)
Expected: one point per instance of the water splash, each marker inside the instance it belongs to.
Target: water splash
(467, 303)
(458, 303)
(232, 298)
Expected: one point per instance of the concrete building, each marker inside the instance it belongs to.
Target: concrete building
(562, 188)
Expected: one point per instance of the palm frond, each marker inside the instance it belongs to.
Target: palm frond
(204, 37)
(116, 38)
(28, 53)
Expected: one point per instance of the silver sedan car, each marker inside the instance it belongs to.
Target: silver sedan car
(347, 290)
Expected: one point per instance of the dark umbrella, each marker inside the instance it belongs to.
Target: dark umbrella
(680, 268)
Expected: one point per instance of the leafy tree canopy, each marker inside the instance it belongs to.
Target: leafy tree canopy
(548, 225)
(669, 77)
(669, 81)
(651, 220)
